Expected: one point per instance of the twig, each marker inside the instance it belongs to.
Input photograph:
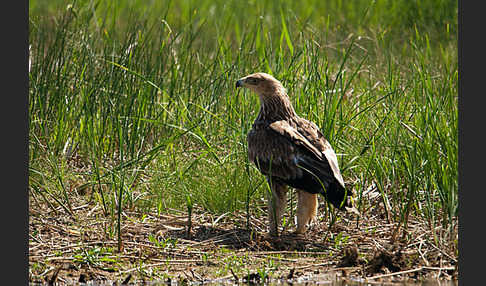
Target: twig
(185, 261)
(59, 258)
(217, 219)
(47, 271)
(315, 265)
(276, 258)
(80, 207)
(218, 238)
(443, 252)
(195, 275)
(409, 271)
(421, 254)
(234, 275)
(125, 282)
(298, 253)
(53, 278)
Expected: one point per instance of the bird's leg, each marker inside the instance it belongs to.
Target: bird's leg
(276, 205)
(306, 210)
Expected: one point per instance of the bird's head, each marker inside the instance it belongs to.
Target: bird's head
(261, 83)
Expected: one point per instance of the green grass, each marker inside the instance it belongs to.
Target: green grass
(142, 94)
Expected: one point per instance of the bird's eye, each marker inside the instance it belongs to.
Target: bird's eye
(252, 80)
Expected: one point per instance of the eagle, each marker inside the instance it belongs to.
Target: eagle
(291, 151)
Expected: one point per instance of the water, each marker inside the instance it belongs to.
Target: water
(328, 279)
(347, 282)
(295, 282)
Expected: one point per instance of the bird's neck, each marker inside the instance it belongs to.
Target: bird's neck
(276, 106)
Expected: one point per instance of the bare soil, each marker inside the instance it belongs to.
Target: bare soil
(83, 247)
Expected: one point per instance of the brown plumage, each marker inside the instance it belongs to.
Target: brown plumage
(291, 151)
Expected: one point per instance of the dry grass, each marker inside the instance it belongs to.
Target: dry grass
(79, 248)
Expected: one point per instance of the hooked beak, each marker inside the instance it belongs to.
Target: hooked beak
(239, 83)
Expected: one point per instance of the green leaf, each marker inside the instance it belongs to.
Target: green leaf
(285, 34)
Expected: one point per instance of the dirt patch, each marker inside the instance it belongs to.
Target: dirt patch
(349, 257)
(393, 261)
(84, 248)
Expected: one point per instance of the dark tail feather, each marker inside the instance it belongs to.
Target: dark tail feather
(337, 195)
(330, 188)
(318, 169)
(341, 198)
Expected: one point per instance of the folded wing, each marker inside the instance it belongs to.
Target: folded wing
(299, 156)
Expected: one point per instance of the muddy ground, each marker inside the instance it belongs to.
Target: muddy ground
(83, 247)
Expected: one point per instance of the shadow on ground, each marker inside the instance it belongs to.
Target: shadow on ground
(239, 238)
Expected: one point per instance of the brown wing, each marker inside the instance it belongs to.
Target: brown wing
(272, 154)
(298, 156)
(308, 135)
